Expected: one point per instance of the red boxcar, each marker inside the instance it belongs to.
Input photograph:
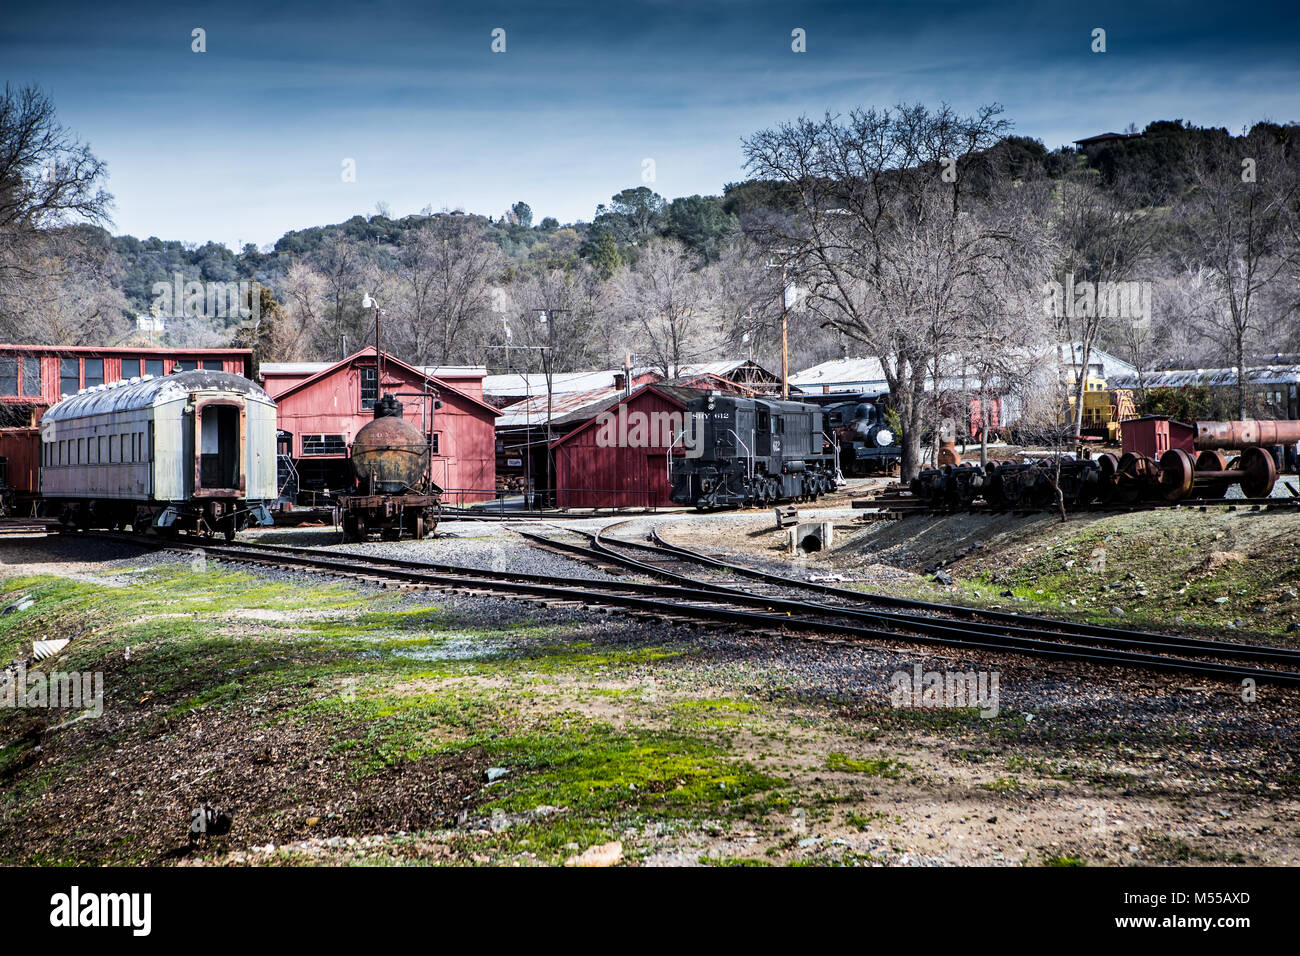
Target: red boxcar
(1154, 435)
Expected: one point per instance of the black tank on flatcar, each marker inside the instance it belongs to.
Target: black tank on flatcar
(749, 451)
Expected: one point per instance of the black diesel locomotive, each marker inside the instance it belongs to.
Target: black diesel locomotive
(749, 451)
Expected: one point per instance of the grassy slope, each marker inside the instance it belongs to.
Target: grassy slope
(1158, 571)
(371, 685)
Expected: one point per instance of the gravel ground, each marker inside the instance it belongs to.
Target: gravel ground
(1155, 759)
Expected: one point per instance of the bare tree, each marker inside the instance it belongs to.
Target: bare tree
(52, 272)
(663, 298)
(47, 176)
(563, 311)
(1104, 239)
(71, 293)
(882, 242)
(445, 280)
(745, 294)
(303, 291)
(1237, 221)
(340, 262)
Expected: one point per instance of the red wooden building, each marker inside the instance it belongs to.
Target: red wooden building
(322, 406)
(619, 456)
(34, 377)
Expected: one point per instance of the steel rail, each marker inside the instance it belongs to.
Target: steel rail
(681, 602)
(1009, 618)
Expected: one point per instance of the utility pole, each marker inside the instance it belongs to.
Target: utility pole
(785, 310)
(366, 302)
(548, 363)
(785, 347)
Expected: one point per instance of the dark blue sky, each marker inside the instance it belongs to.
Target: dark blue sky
(248, 139)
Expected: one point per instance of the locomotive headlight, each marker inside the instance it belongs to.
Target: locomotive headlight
(884, 438)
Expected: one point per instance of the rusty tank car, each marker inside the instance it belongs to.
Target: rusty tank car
(392, 491)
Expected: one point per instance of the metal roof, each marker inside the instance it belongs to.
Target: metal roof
(1215, 377)
(679, 393)
(148, 391)
(842, 373)
(311, 368)
(533, 411)
(534, 383)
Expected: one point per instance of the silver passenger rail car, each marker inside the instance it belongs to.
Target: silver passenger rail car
(190, 451)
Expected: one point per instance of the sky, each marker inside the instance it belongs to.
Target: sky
(251, 138)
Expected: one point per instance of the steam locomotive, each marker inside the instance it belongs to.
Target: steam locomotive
(748, 451)
(867, 444)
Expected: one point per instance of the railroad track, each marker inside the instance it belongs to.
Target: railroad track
(937, 623)
(852, 619)
(22, 526)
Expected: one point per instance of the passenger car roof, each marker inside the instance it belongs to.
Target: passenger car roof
(148, 391)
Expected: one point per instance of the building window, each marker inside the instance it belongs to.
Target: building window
(32, 376)
(369, 387)
(8, 376)
(153, 367)
(69, 376)
(433, 443)
(132, 368)
(184, 365)
(323, 445)
(94, 372)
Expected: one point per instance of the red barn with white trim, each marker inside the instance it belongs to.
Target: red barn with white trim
(322, 407)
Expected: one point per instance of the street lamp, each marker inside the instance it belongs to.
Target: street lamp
(370, 302)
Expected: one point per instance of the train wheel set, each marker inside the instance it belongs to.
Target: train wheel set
(392, 516)
(1108, 479)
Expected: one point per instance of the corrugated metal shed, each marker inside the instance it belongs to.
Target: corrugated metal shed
(1213, 377)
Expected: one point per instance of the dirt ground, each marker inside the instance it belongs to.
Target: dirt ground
(346, 724)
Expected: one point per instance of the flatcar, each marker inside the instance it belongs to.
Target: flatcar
(191, 451)
(748, 451)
